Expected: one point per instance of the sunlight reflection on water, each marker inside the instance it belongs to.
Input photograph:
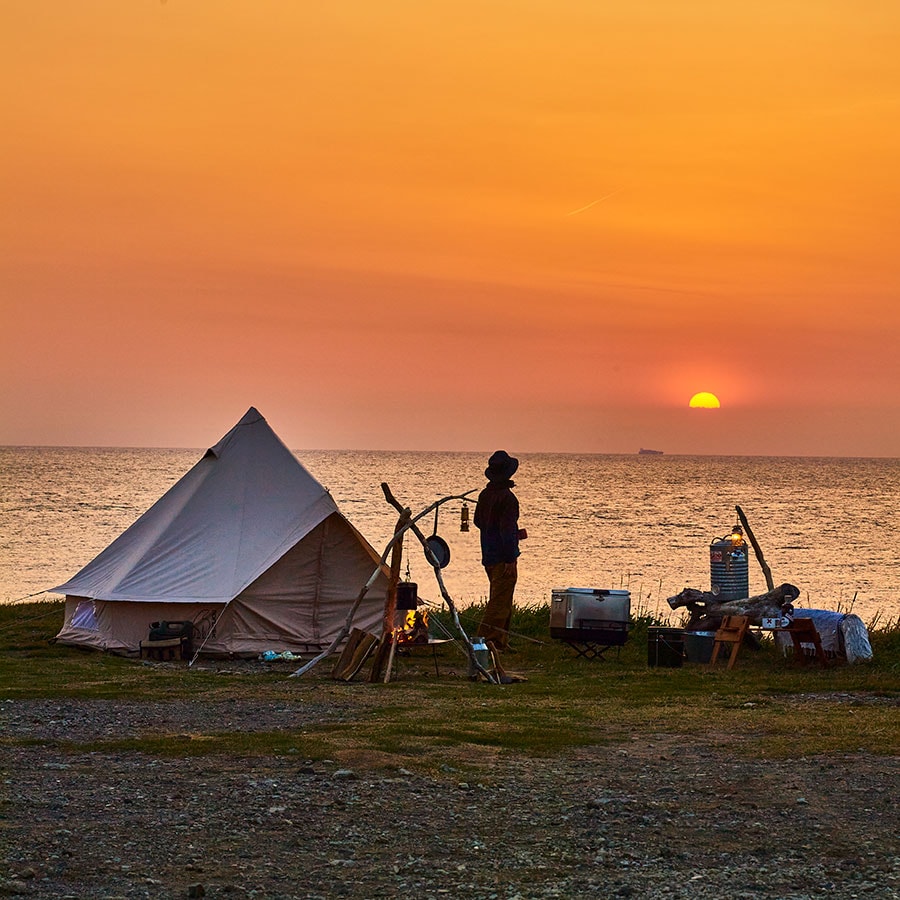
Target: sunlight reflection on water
(639, 522)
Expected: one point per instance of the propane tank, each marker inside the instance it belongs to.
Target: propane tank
(728, 571)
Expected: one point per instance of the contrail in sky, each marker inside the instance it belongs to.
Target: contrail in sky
(594, 202)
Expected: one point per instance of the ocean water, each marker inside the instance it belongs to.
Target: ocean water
(638, 522)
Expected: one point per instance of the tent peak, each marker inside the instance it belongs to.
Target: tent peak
(251, 417)
(220, 526)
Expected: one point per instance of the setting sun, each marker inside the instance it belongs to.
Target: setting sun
(704, 400)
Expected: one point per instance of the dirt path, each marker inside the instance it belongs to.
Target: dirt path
(658, 816)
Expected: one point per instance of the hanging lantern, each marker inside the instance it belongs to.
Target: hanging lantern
(464, 517)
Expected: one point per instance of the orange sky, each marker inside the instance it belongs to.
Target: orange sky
(377, 223)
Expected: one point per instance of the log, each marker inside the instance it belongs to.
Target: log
(379, 660)
(707, 611)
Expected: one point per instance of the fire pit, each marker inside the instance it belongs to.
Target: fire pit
(412, 632)
(413, 628)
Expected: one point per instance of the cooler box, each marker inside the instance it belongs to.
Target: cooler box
(590, 615)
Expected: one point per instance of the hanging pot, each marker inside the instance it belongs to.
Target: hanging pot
(407, 595)
(438, 546)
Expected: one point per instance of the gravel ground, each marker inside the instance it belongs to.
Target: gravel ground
(662, 816)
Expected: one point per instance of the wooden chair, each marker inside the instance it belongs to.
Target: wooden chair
(731, 632)
(803, 631)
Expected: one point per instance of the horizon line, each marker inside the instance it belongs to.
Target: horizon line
(625, 453)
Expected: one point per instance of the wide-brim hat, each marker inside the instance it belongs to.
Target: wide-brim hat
(501, 466)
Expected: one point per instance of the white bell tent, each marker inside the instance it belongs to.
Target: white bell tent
(247, 545)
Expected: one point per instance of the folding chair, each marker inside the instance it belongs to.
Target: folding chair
(803, 631)
(731, 632)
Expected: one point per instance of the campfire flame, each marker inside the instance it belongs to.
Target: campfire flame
(414, 629)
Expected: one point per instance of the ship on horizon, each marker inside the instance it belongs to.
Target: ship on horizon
(645, 452)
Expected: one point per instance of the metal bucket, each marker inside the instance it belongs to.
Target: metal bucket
(483, 655)
(698, 646)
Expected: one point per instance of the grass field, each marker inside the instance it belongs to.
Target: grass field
(766, 706)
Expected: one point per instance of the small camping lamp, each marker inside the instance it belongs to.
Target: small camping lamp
(464, 517)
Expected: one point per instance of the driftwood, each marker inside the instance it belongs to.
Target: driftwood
(707, 611)
(390, 601)
(385, 654)
(392, 649)
(767, 572)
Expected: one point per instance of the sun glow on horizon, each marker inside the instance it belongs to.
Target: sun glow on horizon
(704, 400)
